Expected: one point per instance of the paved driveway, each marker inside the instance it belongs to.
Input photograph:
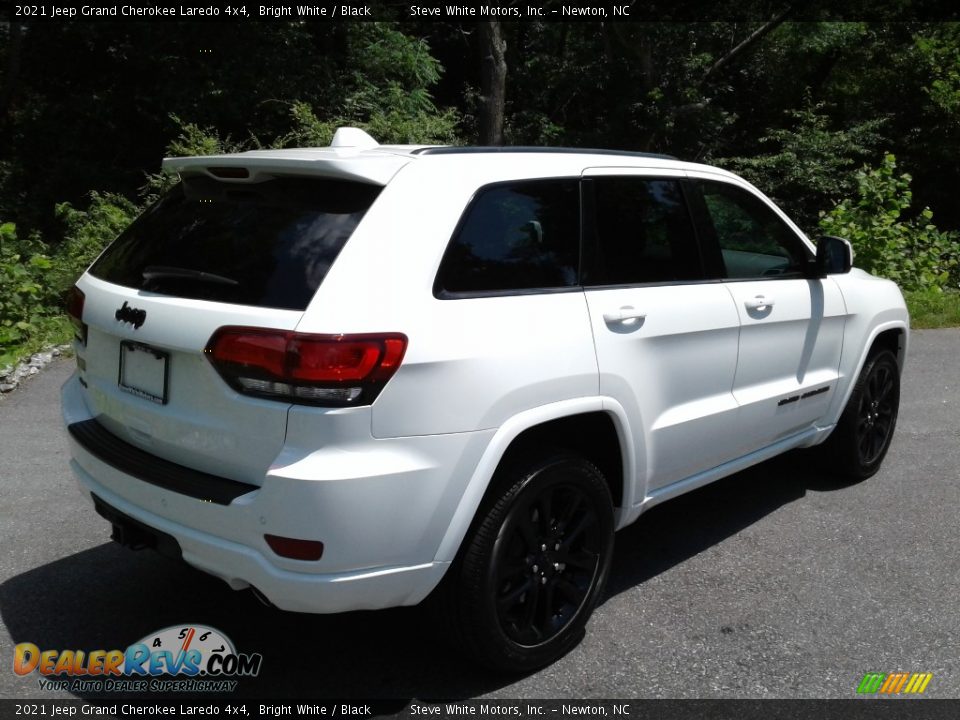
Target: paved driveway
(776, 582)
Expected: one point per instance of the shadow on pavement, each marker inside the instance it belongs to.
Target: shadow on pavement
(668, 534)
(108, 597)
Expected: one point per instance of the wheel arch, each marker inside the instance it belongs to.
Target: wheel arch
(892, 335)
(592, 427)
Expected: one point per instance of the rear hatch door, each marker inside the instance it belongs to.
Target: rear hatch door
(208, 254)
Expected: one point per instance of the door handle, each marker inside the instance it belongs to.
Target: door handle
(760, 302)
(626, 315)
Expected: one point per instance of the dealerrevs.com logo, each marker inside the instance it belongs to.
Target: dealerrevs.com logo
(181, 658)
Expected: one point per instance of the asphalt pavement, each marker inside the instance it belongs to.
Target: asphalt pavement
(778, 582)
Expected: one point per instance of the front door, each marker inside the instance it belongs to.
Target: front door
(791, 324)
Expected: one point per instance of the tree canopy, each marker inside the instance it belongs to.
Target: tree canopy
(796, 106)
(853, 127)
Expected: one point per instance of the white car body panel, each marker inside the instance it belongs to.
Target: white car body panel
(680, 408)
(205, 425)
(787, 351)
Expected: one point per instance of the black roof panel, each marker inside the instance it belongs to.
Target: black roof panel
(478, 149)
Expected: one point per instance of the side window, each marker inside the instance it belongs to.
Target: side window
(753, 240)
(522, 235)
(643, 232)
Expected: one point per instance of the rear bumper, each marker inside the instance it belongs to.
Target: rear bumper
(381, 516)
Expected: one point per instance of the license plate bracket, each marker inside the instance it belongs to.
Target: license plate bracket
(144, 371)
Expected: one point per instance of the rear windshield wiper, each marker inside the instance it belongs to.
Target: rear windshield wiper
(156, 272)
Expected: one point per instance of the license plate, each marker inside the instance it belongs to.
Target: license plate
(143, 371)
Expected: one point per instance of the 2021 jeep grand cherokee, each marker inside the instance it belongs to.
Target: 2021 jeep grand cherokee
(339, 376)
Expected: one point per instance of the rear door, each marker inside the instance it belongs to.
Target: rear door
(791, 324)
(208, 254)
(666, 340)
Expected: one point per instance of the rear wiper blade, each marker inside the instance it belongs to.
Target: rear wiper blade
(155, 272)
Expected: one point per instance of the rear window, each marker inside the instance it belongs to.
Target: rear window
(268, 244)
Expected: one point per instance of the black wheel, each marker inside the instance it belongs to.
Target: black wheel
(536, 563)
(862, 437)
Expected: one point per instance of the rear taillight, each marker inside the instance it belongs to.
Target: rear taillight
(75, 300)
(332, 370)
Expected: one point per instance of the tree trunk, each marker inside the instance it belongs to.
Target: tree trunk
(12, 73)
(493, 82)
(751, 40)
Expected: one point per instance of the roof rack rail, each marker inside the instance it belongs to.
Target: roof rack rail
(480, 149)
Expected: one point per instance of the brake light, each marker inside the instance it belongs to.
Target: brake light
(334, 370)
(75, 301)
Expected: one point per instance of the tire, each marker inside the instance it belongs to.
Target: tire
(862, 437)
(534, 566)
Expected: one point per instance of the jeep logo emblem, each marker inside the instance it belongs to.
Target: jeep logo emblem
(131, 315)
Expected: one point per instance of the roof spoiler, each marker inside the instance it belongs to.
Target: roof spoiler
(344, 159)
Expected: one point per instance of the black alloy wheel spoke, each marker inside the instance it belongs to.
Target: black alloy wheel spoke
(584, 560)
(573, 506)
(514, 595)
(574, 593)
(546, 563)
(529, 610)
(573, 535)
(546, 513)
(545, 615)
(528, 532)
(513, 567)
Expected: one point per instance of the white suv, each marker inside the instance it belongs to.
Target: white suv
(339, 376)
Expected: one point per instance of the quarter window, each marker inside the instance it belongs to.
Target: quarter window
(753, 240)
(514, 237)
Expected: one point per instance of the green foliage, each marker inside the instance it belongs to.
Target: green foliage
(386, 93)
(808, 165)
(87, 233)
(933, 308)
(190, 140)
(796, 112)
(910, 251)
(33, 282)
(387, 126)
(23, 298)
(941, 55)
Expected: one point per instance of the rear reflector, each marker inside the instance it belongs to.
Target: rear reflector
(75, 302)
(295, 549)
(300, 367)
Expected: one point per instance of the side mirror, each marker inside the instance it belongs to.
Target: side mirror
(834, 256)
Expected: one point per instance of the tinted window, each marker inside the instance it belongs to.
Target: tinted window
(753, 240)
(643, 232)
(516, 236)
(268, 244)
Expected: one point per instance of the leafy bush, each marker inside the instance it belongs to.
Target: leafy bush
(388, 125)
(87, 233)
(33, 282)
(912, 252)
(390, 99)
(191, 140)
(23, 300)
(809, 165)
